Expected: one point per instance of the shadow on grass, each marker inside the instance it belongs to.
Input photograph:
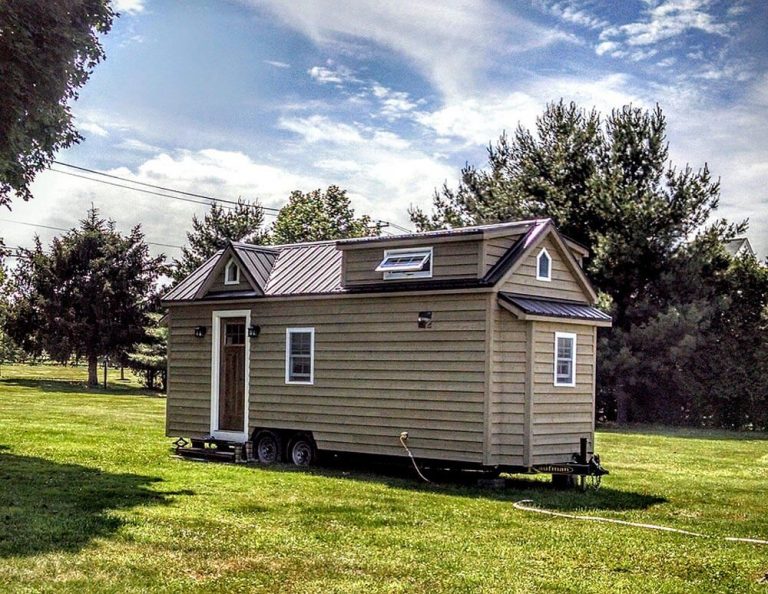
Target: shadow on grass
(75, 386)
(464, 484)
(47, 506)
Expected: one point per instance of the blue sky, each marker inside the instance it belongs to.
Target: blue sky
(256, 98)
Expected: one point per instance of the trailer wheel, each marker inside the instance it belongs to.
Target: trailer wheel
(302, 451)
(267, 446)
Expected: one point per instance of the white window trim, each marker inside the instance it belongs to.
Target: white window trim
(229, 265)
(288, 380)
(549, 268)
(215, 373)
(572, 383)
(415, 274)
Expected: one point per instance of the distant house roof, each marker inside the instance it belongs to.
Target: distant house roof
(316, 268)
(737, 247)
(554, 308)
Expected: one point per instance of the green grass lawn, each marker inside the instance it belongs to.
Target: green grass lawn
(91, 500)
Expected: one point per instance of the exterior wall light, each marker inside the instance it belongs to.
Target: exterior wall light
(254, 331)
(425, 319)
(200, 331)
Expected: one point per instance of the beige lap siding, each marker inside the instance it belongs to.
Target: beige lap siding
(561, 415)
(508, 369)
(451, 260)
(562, 286)
(495, 248)
(188, 406)
(377, 374)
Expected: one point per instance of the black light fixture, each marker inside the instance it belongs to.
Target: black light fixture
(425, 319)
(254, 331)
(200, 331)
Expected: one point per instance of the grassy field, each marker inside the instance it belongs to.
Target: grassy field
(91, 500)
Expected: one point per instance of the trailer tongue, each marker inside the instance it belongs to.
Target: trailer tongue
(585, 465)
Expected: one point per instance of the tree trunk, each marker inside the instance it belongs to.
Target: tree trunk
(622, 404)
(93, 371)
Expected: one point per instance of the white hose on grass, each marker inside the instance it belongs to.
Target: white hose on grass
(522, 507)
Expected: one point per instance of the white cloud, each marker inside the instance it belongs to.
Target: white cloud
(665, 21)
(62, 200)
(449, 42)
(128, 6)
(479, 120)
(92, 128)
(394, 104)
(317, 128)
(332, 73)
(569, 12)
(138, 146)
(277, 64)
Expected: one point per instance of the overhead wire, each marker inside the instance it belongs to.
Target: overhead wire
(269, 210)
(65, 230)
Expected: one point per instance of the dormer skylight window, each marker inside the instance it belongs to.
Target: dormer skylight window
(544, 266)
(406, 263)
(231, 273)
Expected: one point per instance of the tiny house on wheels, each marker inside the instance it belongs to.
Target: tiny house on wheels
(475, 347)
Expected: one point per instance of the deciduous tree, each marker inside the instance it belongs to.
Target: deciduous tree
(47, 52)
(320, 215)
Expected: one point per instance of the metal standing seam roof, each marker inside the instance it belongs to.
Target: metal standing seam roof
(258, 260)
(187, 289)
(316, 268)
(554, 308)
(311, 268)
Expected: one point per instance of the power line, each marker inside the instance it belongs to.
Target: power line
(63, 229)
(268, 209)
(148, 185)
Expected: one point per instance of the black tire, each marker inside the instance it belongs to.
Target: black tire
(267, 447)
(302, 451)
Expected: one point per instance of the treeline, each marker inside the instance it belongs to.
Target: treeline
(94, 292)
(688, 345)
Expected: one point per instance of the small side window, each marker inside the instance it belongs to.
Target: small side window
(300, 356)
(544, 266)
(231, 273)
(565, 359)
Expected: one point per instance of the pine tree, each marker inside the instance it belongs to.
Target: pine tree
(219, 225)
(656, 251)
(149, 358)
(87, 296)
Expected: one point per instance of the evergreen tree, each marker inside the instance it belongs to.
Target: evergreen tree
(47, 52)
(656, 254)
(88, 296)
(219, 225)
(149, 358)
(320, 215)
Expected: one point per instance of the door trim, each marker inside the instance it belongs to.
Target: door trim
(217, 316)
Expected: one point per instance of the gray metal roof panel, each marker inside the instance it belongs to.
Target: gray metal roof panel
(475, 229)
(187, 288)
(314, 268)
(554, 308)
